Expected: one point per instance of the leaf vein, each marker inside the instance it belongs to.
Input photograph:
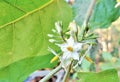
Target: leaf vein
(27, 14)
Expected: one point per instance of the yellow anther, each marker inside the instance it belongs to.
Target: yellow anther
(89, 59)
(70, 49)
(54, 59)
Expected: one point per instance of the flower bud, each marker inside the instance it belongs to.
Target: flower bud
(52, 40)
(58, 27)
(73, 27)
(50, 35)
(53, 30)
(54, 59)
(51, 50)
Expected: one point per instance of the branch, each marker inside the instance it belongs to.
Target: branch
(67, 73)
(88, 15)
(47, 77)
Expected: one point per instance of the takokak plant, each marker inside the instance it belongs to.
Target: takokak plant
(74, 44)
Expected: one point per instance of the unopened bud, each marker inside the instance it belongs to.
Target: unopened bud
(54, 59)
(51, 40)
(51, 50)
(58, 27)
(50, 35)
(53, 30)
(73, 27)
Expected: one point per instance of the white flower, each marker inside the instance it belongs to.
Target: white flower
(84, 56)
(71, 48)
(70, 51)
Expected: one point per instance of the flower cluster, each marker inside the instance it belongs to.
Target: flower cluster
(70, 45)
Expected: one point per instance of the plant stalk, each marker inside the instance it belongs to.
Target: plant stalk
(47, 77)
(88, 15)
(67, 73)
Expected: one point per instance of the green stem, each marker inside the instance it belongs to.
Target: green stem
(47, 77)
(88, 15)
(67, 73)
(63, 37)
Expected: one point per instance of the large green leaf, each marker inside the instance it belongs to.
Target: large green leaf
(104, 76)
(103, 14)
(23, 35)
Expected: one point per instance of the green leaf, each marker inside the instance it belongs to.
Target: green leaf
(23, 40)
(103, 14)
(13, 9)
(107, 56)
(79, 10)
(110, 65)
(85, 65)
(104, 76)
(19, 71)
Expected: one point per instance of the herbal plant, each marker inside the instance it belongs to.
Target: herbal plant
(24, 26)
(71, 45)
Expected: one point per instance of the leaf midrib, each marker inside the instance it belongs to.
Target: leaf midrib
(27, 14)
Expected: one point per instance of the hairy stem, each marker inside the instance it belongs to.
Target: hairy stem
(67, 73)
(47, 77)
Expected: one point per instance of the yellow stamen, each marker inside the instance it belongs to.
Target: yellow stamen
(89, 59)
(54, 59)
(70, 49)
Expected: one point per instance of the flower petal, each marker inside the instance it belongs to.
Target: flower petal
(77, 47)
(67, 55)
(70, 41)
(63, 47)
(75, 56)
